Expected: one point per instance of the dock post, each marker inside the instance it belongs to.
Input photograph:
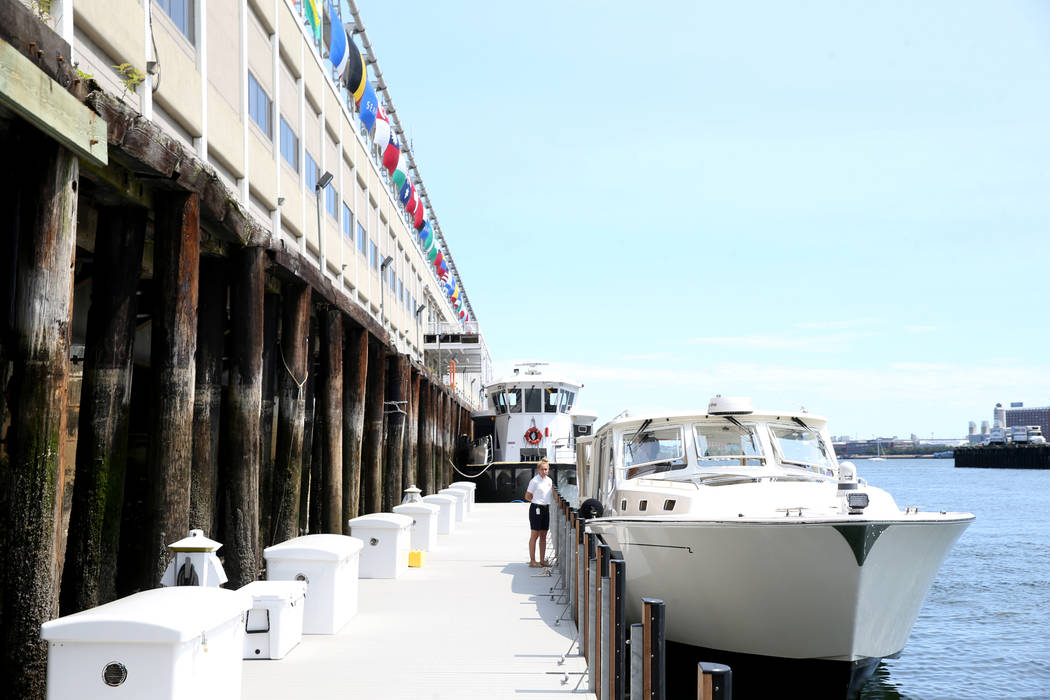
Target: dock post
(424, 470)
(637, 658)
(654, 616)
(176, 267)
(394, 426)
(47, 182)
(330, 398)
(372, 452)
(271, 310)
(593, 593)
(601, 665)
(244, 400)
(570, 562)
(581, 582)
(410, 472)
(713, 681)
(306, 472)
(89, 576)
(617, 628)
(207, 395)
(291, 412)
(355, 378)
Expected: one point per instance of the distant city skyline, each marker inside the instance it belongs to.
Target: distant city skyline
(839, 205)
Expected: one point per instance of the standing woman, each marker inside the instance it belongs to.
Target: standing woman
(538, 494)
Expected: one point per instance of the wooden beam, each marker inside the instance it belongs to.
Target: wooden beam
(330, 398)
(372, 458)
(271, 309)
(207, 395)
(90, 573)
(45, 104)
(394, 427)
(410, 474)
(243, 556)
(355, 377)
(309, 424)
(176, 266)
(291, 412)
(30, 454)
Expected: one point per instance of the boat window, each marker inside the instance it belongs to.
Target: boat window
(513, 397)
(566, 400)
(800, 446)
(727, 445)
(550, 400)
(499, 402)
(534, 400)
(653, 450)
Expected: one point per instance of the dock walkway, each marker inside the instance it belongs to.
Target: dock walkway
(475, 623)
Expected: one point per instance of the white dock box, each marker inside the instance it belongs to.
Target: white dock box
(178, 643)
(447, 514)
(468, 506)
(471, 487)
(275, 623)
(461, 498)
(387, 539)
(424, 523)
(329, 565)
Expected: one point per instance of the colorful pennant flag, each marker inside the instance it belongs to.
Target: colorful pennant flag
(368, 105)
(400, 174)
(381, 135)
(355, 71)
(426, 236)
(418, 221)
(335, 39)
(413, 202)
(312, 10)
(392, 153)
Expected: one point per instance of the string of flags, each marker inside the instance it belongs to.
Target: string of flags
(351, 71)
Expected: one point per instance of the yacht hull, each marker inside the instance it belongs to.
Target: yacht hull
(837, 590)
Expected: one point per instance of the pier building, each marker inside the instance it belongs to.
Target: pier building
(220, 261)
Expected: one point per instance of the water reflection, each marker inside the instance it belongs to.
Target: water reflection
(882, 687)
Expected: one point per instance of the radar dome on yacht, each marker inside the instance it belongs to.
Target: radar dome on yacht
(730, 405)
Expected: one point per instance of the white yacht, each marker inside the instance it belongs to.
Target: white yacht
(762, 544)
(530, 415)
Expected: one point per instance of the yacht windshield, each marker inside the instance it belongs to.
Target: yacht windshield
(550, 403)
(654, 450)
(728, 444)
(513, 397)
(801, 446)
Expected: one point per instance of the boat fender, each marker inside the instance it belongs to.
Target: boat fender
(591, 508)
(533, 435)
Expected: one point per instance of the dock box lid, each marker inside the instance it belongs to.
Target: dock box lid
(460, 484)
(454, 493)
(411, 509)
(161, 615)
(315, 548)
(387, 521)
(438, 498)
(276, 591)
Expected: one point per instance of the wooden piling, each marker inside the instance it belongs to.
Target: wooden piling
(207, 395)
(425, 468)
(410, 473)
(242, 553)
(89, 578)
(292, 367)
(372, 453)
(330, 398)
(394, 430)
(271, 311)
(176, 266)
(306, 472)
(48, 175)
(355, 377)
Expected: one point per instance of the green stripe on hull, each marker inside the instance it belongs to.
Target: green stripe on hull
(861, 537)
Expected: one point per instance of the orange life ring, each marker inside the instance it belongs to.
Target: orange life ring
(533, 435)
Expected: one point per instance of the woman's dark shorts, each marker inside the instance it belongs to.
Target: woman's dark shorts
(539, 517)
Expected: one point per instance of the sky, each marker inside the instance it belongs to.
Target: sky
(833, 204)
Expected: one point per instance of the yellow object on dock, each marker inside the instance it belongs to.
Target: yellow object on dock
(417, 558)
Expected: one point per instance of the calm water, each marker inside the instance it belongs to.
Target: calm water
(984, 631)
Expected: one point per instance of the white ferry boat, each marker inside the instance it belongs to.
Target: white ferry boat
(763, 546)
(529, 415)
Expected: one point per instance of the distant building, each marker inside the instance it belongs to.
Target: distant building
(1028, 416)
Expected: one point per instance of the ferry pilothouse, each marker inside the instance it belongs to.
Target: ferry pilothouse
(529, 415)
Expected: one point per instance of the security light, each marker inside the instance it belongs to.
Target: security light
(323, 181)
(389, 259)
